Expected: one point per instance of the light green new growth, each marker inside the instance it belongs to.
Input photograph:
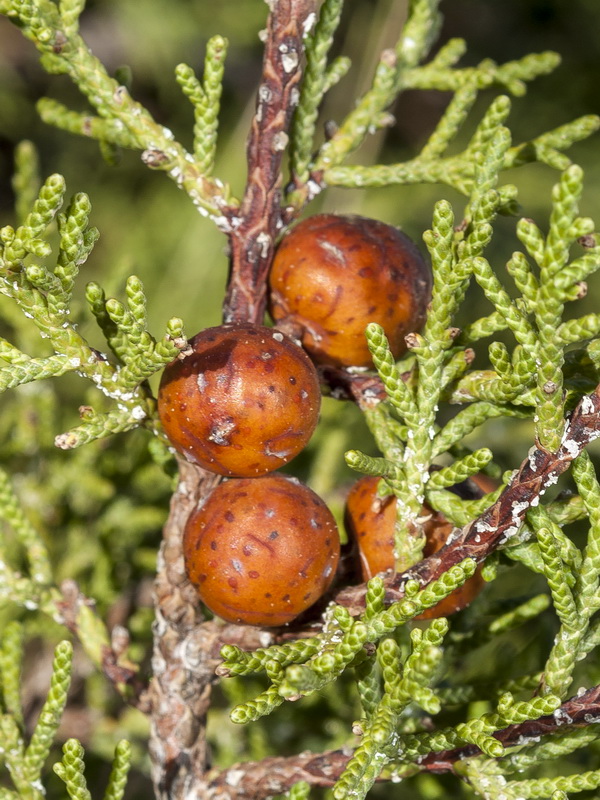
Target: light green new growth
(300, 670)
(44, 295)
(205, 97)
(39, 745)
(71, 770)
(11, 658)
(318, 78)
(25, 761)
(120, 769)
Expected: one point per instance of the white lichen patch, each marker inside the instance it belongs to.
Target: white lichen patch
(308, 24)
(233, 777)
(289, 61)
(519, 508)
(280, 141)
(561, 717)
(138, 413)
(587, 405)
(572, 447)
(532, 458)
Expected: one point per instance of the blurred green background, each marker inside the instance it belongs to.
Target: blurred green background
(101, 508)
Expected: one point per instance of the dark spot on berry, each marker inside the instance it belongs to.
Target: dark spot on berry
(292, 380)
(253, 574)
(229, 516)
(213, 545)
(273, 535)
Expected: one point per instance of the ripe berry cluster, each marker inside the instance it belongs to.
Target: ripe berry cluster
(263, 548)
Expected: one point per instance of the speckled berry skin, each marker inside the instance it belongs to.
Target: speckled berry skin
(243, 403)
(261, 551)
(332, 275)
(370, 519)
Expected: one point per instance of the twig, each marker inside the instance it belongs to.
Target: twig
(180, 688)
(72, 606)
(260, 216)
(581, 710)
(365, 389)
(502, 520)
(275, 775)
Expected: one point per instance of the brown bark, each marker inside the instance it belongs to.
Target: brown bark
(260, 216)
(180, 688)
(186, 647)
(258, 780)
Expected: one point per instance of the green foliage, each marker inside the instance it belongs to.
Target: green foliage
(44, 296)
(412, 683)
(25, 761)
(411, 435)
(71, 771)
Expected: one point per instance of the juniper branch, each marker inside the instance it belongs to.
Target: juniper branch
(503, 519)
(276, 774)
